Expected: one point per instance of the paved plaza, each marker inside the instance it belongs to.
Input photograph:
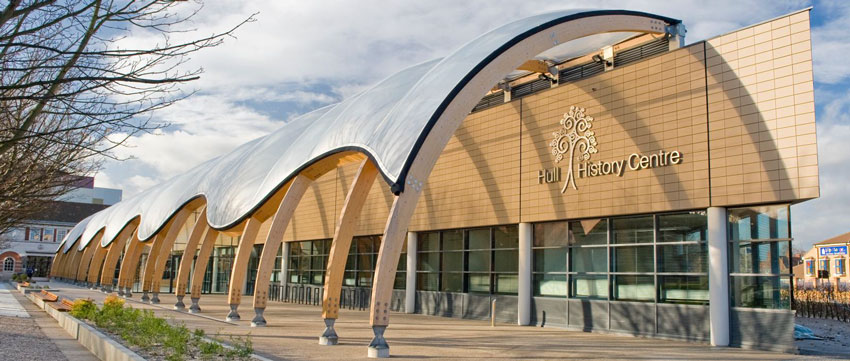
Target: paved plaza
(293, 331)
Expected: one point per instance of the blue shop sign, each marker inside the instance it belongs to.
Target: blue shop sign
(833, 250)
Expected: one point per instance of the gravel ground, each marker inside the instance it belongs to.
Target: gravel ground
(23, 338)
(836, 336)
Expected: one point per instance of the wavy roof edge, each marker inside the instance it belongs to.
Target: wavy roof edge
(387, 123)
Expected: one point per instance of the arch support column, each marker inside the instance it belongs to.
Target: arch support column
(85, 261)
(197, 282)
(95, 266)
(198, 233)
(280, 222)
(354, 200)
(107, 273)
(240, 266)
(129, 265)
(164, 252)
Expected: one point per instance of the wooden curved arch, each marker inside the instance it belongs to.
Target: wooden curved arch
(453, 115)
(116, 248)
(341, 244)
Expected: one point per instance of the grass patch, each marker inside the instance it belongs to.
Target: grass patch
(155, 336)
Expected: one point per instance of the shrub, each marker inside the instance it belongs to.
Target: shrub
(83, 309)
(15, 277)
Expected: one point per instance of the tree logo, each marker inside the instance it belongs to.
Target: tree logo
(574, 135)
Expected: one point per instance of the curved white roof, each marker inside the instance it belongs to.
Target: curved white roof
(387, 122)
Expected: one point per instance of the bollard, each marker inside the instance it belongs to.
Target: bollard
(493, 313)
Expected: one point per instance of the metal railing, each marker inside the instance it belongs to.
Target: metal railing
(350, 298)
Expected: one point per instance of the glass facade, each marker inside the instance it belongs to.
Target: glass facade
(478, 260)
(651, 258)
(760, 256)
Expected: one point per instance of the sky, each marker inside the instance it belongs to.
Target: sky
(300, 55)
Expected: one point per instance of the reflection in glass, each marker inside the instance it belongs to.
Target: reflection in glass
(633, 259)
(589, 232)
(761, 257)
(589, 286)
(683, 289)
(478, 282)
(589, 259)
(551, 260)
(550, 234)
(764, 222)
(761, 292)
(633, 230)
(683, 227)
(634, 288)
(551, 285)
(687, 258)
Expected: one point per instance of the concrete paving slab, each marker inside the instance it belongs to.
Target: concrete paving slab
(9, 306)
(293, 333)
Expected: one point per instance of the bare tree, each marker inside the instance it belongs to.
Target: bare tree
(70, 93)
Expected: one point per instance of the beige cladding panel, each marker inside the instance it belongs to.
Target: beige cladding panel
(654, 105)
(315, 216)
(762, 113)
(754, 112)
(476, 179)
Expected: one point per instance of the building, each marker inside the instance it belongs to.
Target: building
(621, 182)
(826, 263)
(32, 245)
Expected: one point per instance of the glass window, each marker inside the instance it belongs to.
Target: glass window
(505, 260)
(683, 289)
(35, 234)
(764, 222)
(548, 260)
(478, 282)
(683, 258)
(633, 259)
(824, 265)
(761, 257)
(633, 230)
(810, 267)
(589, 286)
(427, 281)
(452, 282)
(428, 262)
(589, 259)
(479, 261)
(551, 285)
(550, 234)
(683, 227)
(589, 232)
(634, 288)
(479, 238)
(452, 240)
(47, 236)
(761, 292)
(549, 254)
(839, 266)
(452, 262)
(506, 236)
(428, 241)
(60, 234)
(506, 283)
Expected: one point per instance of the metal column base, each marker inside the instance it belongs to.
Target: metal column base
(195, 308)
(128, 292)
(378, 348)
(258, 320)
(155, 298)
(180, 306)
(233, 315)
(145, 297)
(329, 337)
(120, 291)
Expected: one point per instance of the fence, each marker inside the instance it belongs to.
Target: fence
(822, 301)
(350, 298)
